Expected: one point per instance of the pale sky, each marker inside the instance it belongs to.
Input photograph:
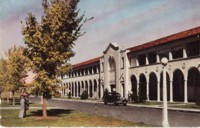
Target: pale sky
(125, 22)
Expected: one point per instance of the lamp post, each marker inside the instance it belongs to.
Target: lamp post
(165, 121)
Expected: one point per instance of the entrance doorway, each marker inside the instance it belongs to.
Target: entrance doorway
(113, 87)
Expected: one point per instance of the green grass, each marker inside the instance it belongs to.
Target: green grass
(147, 103)
(186, 106)
(60, 118)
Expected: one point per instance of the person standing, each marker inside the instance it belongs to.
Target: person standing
(23, 96)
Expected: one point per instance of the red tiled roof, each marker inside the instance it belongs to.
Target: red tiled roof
(91, 61)
(167, 39)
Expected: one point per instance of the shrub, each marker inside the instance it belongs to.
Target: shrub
(84, 95)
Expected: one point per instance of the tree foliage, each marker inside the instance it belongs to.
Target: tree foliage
(13, 69)
(50, 41)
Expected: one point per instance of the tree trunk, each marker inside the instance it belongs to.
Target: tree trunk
(8, 99)
(13, 99)
(44, 108)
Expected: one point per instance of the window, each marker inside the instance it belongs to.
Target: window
(152, 57)
(142, 59)
(192, 49)
(111, 63)
(177, 53)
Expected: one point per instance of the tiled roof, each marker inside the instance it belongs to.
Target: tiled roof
(167, 39)
(91, 61)
(181, 35)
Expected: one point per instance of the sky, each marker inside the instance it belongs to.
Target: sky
(127, 23)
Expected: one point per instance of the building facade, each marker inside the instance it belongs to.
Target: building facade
(139, 70)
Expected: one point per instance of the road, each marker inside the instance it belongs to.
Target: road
(150, 116)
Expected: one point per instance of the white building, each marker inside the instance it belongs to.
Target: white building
(138, 69)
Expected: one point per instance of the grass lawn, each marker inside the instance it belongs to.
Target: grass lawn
(60, 118)
(187, 106)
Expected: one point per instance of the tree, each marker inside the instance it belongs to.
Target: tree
(13, 70)
(4, 77)
(17, 67)
(50, 42)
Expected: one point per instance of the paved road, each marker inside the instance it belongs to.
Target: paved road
(151, 116)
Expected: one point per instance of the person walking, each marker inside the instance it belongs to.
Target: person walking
(23, 97)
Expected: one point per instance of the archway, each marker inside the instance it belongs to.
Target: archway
(142, 88)
(79, 89)
(112, 73)
(72, 89)
(90, 85)
(178, 85)
(161, 86)
(75, 89)
(95, 86)
(86, 86)
(153, 86)
(134, 85)
(193, 85)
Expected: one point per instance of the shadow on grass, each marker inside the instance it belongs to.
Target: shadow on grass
(51, 112)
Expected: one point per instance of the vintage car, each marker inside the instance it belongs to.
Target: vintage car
(115, 99)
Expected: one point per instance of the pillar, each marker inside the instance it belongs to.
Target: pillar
(170, 55)
(147, 61)
(147, 91)
(185, 91)
(184, 53)
(158, 91)
(171, 91)
(157, 58)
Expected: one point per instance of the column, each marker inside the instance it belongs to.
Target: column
(137, 63)
(147, 90)
(157, 58)
(138, 89)
(158, 91)
(185, 92)
(98, 89)
(147, 61)
(170, 55)
(171, 91)
(184, 53)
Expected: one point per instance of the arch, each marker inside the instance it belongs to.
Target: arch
(79, 89)
(69, 88)
(76, 89)
(72, 89)
(193, 84)
(82, 84)
(153, 86)
(178, 85)
(142, 88)
(86, 86)
(161, 86)
(112, 72)
(90, 88)
(95, 85)
(134, 85)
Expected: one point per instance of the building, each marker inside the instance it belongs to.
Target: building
(138, 69)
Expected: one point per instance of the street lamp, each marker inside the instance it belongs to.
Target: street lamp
(165, 121)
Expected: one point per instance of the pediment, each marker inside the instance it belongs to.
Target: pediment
(113, 46)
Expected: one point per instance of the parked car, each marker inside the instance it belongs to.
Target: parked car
(115, 99)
